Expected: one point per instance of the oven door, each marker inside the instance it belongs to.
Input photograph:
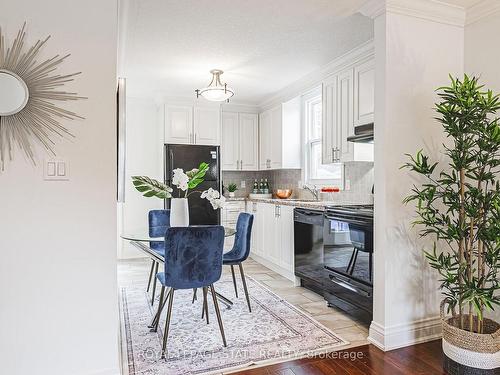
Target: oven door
(351, 259)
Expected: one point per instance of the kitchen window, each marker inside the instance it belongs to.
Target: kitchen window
(317, 173)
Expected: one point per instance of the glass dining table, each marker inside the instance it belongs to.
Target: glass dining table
(140, 239)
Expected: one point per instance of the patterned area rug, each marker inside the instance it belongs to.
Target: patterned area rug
(274, 331)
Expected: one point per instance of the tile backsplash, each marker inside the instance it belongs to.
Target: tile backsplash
(358, 174)
(278, 179)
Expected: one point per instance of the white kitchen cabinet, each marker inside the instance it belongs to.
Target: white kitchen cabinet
(206, 126)
(364, 93)
(279, 133)
(348, 99)
(345, 115)
(240, 142)
(256, 240)
(229, 216)
(273, 237)
(249, 141)
(329, 107)
(188, 124)
(178, 124)
(287, 238)
(230, 141)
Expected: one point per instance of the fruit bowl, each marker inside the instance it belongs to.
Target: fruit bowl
(284, 193)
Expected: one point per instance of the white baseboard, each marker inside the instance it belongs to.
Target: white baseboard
(401, 335)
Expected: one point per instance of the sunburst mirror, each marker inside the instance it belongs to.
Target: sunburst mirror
(29, 91)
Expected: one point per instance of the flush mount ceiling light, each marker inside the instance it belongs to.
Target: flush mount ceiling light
(216, 91)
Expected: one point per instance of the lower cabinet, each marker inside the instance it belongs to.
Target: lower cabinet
(229, 217)
(272, 237)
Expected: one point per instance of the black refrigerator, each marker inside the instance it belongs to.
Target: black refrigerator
(188, 157)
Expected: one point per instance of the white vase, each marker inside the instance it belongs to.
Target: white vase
(231, 194)
(179, 212)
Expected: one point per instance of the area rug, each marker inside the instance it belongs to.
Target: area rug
(274, 331)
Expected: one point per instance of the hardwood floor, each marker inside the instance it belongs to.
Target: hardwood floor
(422, 359)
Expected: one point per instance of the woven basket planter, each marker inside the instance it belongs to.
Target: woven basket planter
(469, 353)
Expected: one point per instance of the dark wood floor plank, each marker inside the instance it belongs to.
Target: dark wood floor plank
(422, 359)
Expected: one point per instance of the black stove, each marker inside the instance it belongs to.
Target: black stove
(348, 257)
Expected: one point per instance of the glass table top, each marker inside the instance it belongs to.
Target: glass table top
(142, 235)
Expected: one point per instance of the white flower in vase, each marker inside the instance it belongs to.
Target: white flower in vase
(180, 179)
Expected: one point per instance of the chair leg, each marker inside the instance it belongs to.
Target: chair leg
(245, 286)
(158, 312)
(205, 304)
(217, 312)
(234, 281)
(167, 323)
(195, 290)
(150, 274)
(156, 318)
(154, 285)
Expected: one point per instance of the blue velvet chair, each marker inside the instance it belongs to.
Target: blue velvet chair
(193, 259)
(159, 221)
(240, 251)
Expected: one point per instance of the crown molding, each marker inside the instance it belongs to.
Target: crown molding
(481, 10)
(431, 10)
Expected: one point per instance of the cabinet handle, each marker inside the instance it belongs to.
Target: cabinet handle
(195, 138)
(254, 207)
(333, 154)
(241, 164)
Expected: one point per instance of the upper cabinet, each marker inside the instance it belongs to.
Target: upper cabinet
(348, 101)
(364, 92)
(188, 124)
(280, 136)
(240, 141)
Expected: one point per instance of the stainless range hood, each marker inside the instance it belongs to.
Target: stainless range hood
(362, 134)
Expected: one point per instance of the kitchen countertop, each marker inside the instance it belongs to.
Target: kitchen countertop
(313, 204)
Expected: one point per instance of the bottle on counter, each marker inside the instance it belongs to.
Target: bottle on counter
(255, 187)
(261, 186)
(266, 187)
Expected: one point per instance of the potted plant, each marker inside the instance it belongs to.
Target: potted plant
(231, 189)
(185, 182)
(459, 207)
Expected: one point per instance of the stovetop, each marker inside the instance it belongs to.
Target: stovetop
(352, 209)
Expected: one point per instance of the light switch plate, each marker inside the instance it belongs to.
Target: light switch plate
(243, 184)
(55, 170)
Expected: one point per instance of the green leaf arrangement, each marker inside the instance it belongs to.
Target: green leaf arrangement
(459, 206)
(232, 187)
(151, 187)
(197, 175)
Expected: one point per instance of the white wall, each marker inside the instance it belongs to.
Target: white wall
(58, 314)
(144, 156)
(482, 59)
(413, 57)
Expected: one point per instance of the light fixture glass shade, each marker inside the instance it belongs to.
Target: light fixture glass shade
(216, 91)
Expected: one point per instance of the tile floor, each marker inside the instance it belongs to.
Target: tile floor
(338, 321)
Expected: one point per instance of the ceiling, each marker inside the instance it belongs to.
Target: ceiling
(168, 47)
(462, 3)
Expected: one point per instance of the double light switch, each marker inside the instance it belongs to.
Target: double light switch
(56, 170)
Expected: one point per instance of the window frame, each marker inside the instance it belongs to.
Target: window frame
(308, 100)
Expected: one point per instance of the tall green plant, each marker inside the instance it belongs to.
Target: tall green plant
(460, 205)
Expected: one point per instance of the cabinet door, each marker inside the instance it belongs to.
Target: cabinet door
(287, 240)
(276, 138)
(230, 141)
(329, 108)
(255, 239)
(264, 141)
(345, 113)
(364, 93)
(249, 142)
(207, 125)
(178, 124)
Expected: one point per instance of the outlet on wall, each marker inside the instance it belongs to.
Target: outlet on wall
(243, 184)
